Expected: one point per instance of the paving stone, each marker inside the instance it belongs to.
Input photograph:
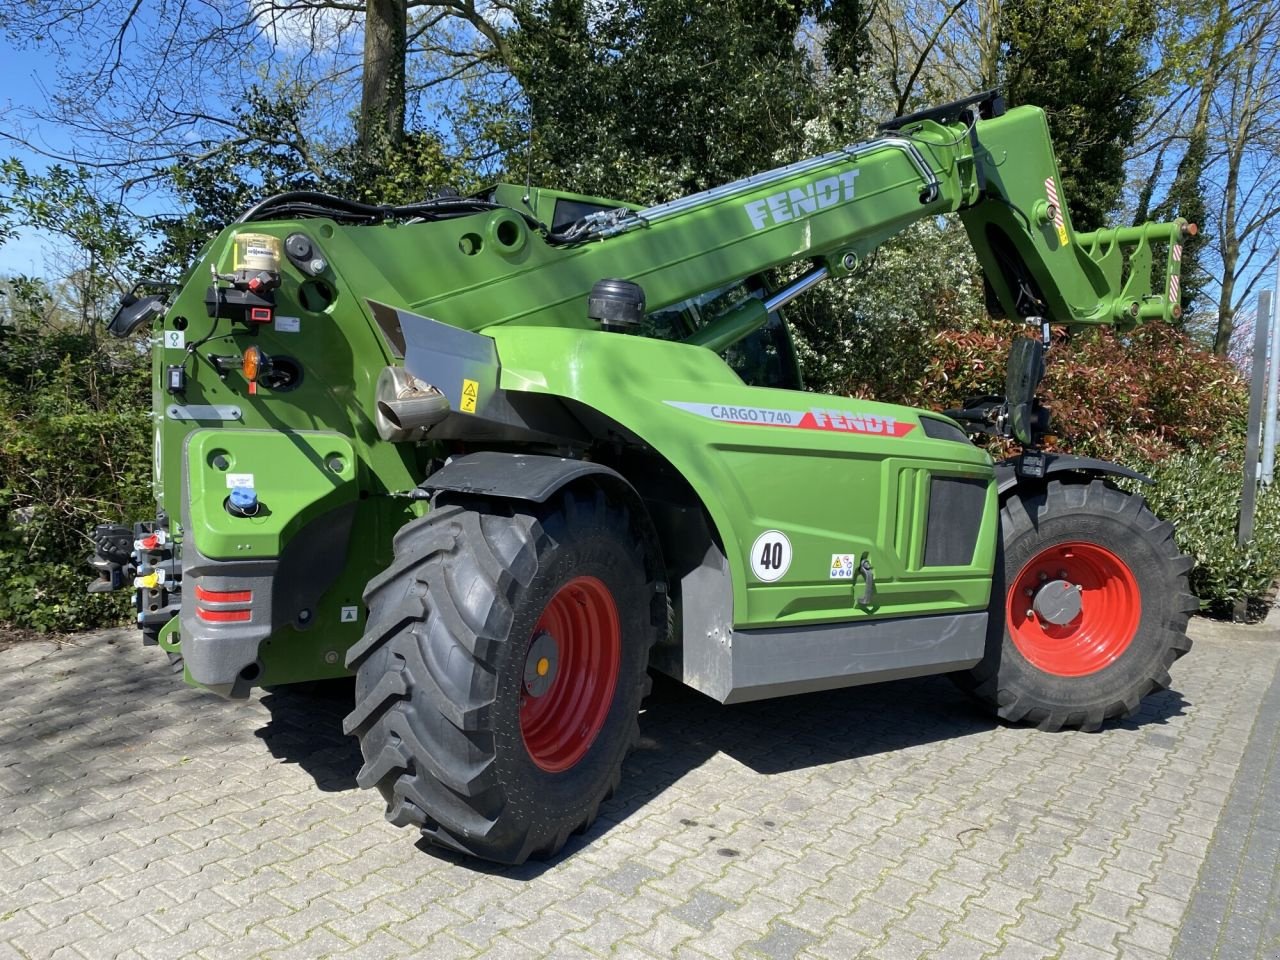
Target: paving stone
(142, 819)
(701, 909)
(1016, 948)
(840, 943)
(783, 942)
(1237, 893)
(627, 878)
(960, 948)
(902, 945)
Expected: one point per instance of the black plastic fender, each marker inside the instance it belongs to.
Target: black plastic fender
(513, 476)
(1007, 474)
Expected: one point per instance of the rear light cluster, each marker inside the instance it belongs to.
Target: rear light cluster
(226, 611)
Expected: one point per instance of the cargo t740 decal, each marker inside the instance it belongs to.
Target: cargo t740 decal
(815, 418)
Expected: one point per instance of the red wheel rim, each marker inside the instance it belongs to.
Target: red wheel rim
(1110, 607)
(580, 625)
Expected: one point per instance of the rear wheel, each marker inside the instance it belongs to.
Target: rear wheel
(499, 681)
(1089, 607)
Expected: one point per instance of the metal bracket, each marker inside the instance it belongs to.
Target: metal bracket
(199, 411)
(869, 578)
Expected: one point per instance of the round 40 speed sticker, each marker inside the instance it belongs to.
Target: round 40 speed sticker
(770, 555)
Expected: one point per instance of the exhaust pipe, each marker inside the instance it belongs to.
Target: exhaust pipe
(406, 407)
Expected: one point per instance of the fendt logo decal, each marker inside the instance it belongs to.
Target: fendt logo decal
(836, 421)
(792, 204)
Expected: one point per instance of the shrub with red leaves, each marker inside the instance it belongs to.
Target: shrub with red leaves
(1149, 399)
(1138, 396)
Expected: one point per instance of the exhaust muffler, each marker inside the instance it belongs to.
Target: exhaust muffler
(406, 407)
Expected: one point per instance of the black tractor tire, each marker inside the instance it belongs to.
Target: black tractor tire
(1131, 626)
(443, 670)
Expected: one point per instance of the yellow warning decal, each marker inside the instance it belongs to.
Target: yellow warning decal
(1062, 235)
(470, 393)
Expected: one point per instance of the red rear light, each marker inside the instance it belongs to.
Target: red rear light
(224, 596)
(221, 597)
(223, 616)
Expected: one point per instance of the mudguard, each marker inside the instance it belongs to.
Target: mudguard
(513, 476)
(1007, 474)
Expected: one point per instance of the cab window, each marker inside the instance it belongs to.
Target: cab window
(766, 358)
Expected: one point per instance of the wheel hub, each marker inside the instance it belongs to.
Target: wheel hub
(541, 664)
(1058, 602)
(570, 673)
(1079, 621)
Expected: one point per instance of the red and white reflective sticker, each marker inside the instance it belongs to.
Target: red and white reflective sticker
(1173, 290)
(1177, 253)
(1051, 193)
(835, 421)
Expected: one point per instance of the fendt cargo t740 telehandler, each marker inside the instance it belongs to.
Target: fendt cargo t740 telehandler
(498, 455)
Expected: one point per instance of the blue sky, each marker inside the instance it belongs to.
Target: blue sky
(23, 72)
(27, 74)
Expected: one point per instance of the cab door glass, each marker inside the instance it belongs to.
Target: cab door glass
(766, 358)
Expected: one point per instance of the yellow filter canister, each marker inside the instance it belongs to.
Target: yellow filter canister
(257, 251)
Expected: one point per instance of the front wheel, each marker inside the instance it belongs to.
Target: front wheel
(1089, 607)
(500, 678)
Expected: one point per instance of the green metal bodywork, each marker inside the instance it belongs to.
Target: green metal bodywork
(837, 475)
(830, 491)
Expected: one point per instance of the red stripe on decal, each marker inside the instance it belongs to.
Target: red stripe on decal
(223, 616)
(224, 596)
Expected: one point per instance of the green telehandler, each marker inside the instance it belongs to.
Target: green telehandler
(499, 455)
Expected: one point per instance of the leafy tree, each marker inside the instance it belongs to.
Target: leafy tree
(647, 100)
(275, 155)
(103, 236)
(1243, 173)
(74, 451)
(846, 44)
(1085, 62)
(148, 85)
(1186, 199)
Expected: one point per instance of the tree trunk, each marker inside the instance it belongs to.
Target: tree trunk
(989, 44)
(1244, 115)
(382, 96)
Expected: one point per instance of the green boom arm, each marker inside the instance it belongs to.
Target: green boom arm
(998, 173)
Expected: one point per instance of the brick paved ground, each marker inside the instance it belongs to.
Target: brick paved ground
(139, 818)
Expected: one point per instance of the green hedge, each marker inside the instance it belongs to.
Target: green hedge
(1199, 491)
(75, 450)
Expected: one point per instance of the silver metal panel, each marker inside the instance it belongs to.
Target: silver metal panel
(445, 356)
(202, 412)
(780, 662)
(704, 611)
(735, 666)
